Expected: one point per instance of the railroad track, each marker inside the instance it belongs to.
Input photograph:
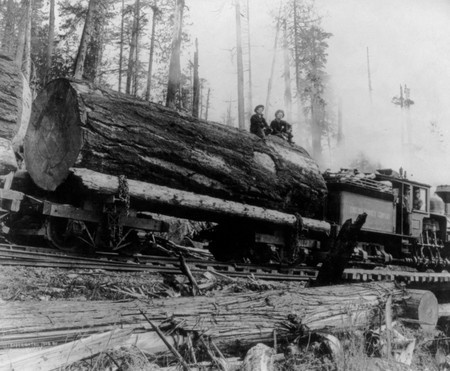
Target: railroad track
(45, 257)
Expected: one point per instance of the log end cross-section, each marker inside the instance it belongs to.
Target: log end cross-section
(53, 139)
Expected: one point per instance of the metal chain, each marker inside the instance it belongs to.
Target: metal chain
(114, 211)
(124, 194)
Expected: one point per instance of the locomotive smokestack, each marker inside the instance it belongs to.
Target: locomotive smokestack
(443, 191)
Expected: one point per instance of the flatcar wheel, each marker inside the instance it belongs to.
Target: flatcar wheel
(68, 235)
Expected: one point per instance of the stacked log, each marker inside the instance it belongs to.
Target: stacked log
(69, 331)
(246, 318)
(77, 125)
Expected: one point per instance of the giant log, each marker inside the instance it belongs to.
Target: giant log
(15, 101)
(77, 125)
(246, 318)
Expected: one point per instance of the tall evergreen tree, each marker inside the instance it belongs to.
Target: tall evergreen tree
(173, 85)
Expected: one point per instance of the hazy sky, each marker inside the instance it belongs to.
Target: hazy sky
(409, 43)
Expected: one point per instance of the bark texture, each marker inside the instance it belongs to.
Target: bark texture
(229, 319)
(15, 101)
(160, 199)
(77, 125)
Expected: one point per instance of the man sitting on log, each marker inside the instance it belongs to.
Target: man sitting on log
(280, 127)
(258, 124)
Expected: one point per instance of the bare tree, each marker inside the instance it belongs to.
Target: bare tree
(85, 38)
(132, 58)
(22, 36)
(173, 85)
(272, 69)
(51, 40)
(196, 84)
(26, 66)
(240, 68)
(121, 44)
(8, 31)
(287, 75)
(152, 51)
(207, 104)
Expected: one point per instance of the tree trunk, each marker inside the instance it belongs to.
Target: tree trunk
(27, 51)
(83, 126)
(240, 68)
(22, 36)
(133, 48)
(51, 40)
(249, 50)
(8, 32)
(85, 39)
(15, 101)
(94, 51)
(121, 45)
(150, 58)
(207, 103)
(173, 85)
(196, 85)
(169, 201)
(249, 318)
(272, 68)
(287, 76)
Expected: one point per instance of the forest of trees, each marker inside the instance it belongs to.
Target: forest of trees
(134, 46)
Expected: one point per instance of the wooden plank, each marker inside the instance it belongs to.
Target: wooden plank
(70, 212)
(63, 355)
(157, 198)
(144, 223)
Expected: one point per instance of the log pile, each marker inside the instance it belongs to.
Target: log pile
(74, 124)
(249, 317)
(75, 330)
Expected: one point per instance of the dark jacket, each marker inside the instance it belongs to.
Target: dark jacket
(259, 126)
(282, 129)
(280, 126)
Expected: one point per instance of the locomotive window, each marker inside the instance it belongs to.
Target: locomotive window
(419, 199)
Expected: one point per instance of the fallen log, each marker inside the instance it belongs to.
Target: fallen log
(15, 101)
(52, 358)
(245, 318)
(75, 124)
(421, 306)
(160, 199)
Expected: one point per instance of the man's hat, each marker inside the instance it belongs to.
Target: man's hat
(279, 111)
(258, 106)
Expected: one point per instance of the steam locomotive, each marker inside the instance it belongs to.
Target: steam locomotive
(405, 225)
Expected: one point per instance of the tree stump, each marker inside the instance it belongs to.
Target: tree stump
(422, 307)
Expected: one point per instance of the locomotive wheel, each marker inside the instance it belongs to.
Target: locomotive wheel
(68, 235)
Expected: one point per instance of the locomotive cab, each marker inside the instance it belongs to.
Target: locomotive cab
(400, 228)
